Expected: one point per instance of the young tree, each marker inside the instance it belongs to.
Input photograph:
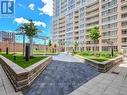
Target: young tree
(94, 35)
(30, 30)
(55, 46)
(76, 44)
(50, 44)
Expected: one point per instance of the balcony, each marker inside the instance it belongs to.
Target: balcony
(124, 33)
(124, 26)
(76, 28)
(96, 13)
(123, 2)
(92, 8)
(124, 10)
(76, 33)
(92, 20)
(91, 26)
(124, 43)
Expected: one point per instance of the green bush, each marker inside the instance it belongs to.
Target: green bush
(106, 54)
(100, 56)
(87, 53)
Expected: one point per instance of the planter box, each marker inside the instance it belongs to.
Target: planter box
(102, 66)
(20, 77)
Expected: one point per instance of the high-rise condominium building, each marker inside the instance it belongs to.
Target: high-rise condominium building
(73, 19)
(7, 36)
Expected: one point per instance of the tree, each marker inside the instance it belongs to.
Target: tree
(55, 46)
(94, 35)
(50, 44)
(76, 44)
(30, 30)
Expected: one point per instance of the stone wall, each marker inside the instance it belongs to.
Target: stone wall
(19, 77)
(103, 66)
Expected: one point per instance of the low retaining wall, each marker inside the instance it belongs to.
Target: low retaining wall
(20, 77)
(102, 66)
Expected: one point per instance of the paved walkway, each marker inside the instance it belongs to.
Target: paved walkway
(6, 87)
(66, 58)
(61, 77)
(106, 83)
(66, 74)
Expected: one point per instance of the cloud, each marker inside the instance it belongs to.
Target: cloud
(47, 8)
(31, 6)
(40, 13)
(39, 23)
(21, 6)
(11, 0)
(22, 20)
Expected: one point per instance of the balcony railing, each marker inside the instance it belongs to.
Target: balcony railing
(92, 20)
(92, 14)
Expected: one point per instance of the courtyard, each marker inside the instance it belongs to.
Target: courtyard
(69, 75)
(62, 76)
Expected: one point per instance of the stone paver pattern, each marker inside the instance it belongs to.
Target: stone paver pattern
(61, 77)
(6, 87)
(106, 83)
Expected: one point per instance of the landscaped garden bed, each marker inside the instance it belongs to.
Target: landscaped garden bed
(20, 60)
(22, 73)
(102, 60)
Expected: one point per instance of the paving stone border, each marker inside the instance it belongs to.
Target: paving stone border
(102, 66)
(20, 77)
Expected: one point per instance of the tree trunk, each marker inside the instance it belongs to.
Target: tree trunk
(31, 46)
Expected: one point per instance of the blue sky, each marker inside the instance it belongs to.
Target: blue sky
(40, 11)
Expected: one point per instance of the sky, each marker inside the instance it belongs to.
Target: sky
(40, 11)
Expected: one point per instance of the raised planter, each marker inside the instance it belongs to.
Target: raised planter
(20, 77)
(102, 66)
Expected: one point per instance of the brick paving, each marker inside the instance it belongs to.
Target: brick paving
(106, 83)
(66, 75)
(61, 77)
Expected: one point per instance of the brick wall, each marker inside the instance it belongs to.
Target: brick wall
(18, 46)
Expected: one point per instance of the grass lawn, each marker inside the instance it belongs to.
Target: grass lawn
(21, 61)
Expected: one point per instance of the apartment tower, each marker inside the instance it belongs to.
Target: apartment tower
(73, 19)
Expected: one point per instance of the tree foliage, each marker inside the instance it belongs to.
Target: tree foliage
(76, 44)
(31, 31)
(49, 43)
(94, 34)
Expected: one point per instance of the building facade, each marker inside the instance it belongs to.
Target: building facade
(7, 36)
(73, 19)
(7, 40)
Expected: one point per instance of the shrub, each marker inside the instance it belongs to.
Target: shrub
(106, 54)
(87, 53)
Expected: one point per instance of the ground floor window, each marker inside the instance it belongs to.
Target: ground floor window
(92, 48)
(108, 48)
